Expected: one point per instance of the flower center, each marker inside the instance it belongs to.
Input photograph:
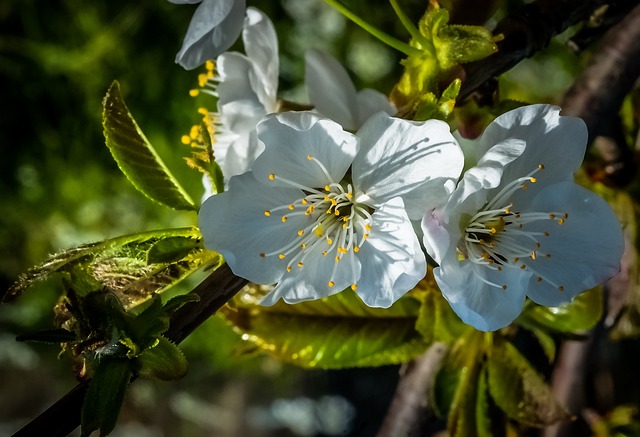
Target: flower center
(498, 237)
(336, 224)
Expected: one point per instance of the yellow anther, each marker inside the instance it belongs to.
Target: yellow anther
(337, 213)
(532, 180)
(291, 207)
(552, 216)
(272, 176)
(344, 226)
(507, 211)
(365, 236)
(284, 219)
(300, 265)
(540, 167)
(331, 284)
(303, 246)
(367, 227)
(538, 279)
(309, 157)
(499, 268)
(546, 234)
(547, 255)
(349, 196)
(194, 132)
(203, 111)
(327, 187)
(356, 249)
(504, 286)
(493, 230)
(522, 267)
(300, 232)
(516, 259)
(209, 65)
(561, 288)
(288, 268)
(281, 256)
(304, 201)
(324, 253)
(194, 93)
(537, 245)
(354, 287)
(262, 255)
(560, 221)
(342, 250)
(318, 231)
(523, 186)
(329, 241)
(566, 216)
(533, 255)
(186, 139)
(337, 258)
(267, 213)
(202, 79)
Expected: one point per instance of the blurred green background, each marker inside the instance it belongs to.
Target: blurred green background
(59, 187)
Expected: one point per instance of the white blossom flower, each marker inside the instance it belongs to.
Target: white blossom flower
(333, 94)
(517, 225)
(214, 27)
(246, 87)
(300, 219)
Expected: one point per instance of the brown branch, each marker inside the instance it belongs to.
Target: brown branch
(218, 288)
(527, 31)
(411, 396)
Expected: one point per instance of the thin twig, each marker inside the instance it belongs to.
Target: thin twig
(411, 396)
(218, 288)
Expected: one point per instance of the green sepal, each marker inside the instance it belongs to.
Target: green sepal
(172, 249)
(165, 362)
(519, 390)
(137, 158)
(48, 336)
(214, 171)
(575, 317)
(334, 332)
(105, 395)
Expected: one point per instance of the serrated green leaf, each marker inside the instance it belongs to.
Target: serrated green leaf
(164, 362)
(136, 157)
(105, 396)
(48, 336)
(580, 315)
(122, 266)
(519, 390)
(335, 332)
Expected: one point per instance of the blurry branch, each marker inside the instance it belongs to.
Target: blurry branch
(527, 31)
(596, 96)
(218, 288)
(411, 397)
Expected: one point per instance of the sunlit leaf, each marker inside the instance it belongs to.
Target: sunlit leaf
(164, 362)
(580, 315)
(334, 332)
(124, 265)
(136, 157)
(105, 396)
(436, 320)
(519, 390)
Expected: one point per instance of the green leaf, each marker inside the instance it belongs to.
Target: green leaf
(335, 332)
(580, 315)
(136, 157)
(462, 413)
(519, 390)
(164, 362)
(436, 320)
(48, 336)
(105, 396)
(123, 265)
(214, 171)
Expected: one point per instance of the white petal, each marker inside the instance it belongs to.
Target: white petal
(234, 84)
(236, 156)
(392, 261)
(585, 250)
(311, 281)
(438, 239)
(261, 46)
(234, 224)
(414, 160)
(290, 138)
(558, 143)
(372, 101)
(215, 26)
(330, 89)
(483, 306)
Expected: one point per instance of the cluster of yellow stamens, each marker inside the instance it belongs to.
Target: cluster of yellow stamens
(497, 237)
(334, 223)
